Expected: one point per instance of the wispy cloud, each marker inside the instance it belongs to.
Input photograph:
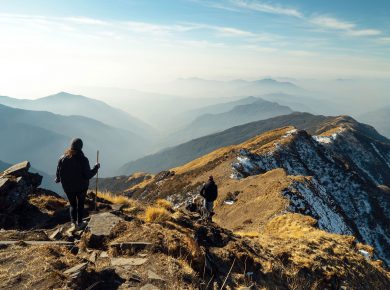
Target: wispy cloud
(333, 23)
(267, 8)
(321, 21)
(347, 27)
(383, 40)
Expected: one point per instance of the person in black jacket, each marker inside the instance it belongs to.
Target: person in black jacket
(209, 192)
(74, 173)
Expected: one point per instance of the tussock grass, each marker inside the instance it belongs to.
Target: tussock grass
(248, 234)
(156, 214)
(164, 204)
(117, 199)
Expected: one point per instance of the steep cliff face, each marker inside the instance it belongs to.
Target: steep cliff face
(346, 173)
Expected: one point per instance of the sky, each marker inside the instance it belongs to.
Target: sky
(50, 46)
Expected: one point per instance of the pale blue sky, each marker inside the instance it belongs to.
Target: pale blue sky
(124, 43)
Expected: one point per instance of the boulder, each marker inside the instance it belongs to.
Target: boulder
(16, 183)
(17, 170)
(5, 183)
(102, 224)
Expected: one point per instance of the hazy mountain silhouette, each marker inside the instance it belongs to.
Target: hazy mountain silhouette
(379, 119)
(250, 110)
(68, 104)
(41, 137)
(4, 166)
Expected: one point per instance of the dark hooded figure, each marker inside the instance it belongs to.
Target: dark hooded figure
(209, 192)
(74, 173)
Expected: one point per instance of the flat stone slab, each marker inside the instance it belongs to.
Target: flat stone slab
(18, 169)
(128, 261)
(102, 224)
(76, 270)
(56, 234)
(36, 242)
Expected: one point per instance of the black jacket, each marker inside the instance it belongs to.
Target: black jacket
(209, 191)
(74, 172)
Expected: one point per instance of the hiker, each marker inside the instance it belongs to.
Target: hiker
(209, 192)
(74, 173)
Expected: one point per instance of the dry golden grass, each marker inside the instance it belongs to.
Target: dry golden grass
(248, 234)
(156, 214)
(117, 199)
(164, 204)
(295, 237)
(47, 203)
(202, 161)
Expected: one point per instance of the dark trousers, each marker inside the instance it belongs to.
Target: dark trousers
(76, 200)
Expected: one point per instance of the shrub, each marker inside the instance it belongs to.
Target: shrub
(116, 199)
(164, 204)
(156, 214)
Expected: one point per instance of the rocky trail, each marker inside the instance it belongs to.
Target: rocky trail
(132, 245)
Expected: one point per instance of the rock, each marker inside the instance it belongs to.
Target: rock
(130, 248)
(149, 287)
(117, 207)
(128, 261)
(20, 169)
(57, 234)
(365, 254)
(135, 278)
(76, 271)
(102, 224)
(35, 179)
(16, 183)
(154, 276)
(103, 254)
(92, 258)
(5, 184)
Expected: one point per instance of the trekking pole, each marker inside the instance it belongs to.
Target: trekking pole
(97, 180)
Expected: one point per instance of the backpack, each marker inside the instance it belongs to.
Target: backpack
(211, 191)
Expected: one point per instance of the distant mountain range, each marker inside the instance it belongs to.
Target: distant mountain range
(379, 119)
(68, 104)
(188, 151)
(228, 115)
(41, 138)
(206, 88)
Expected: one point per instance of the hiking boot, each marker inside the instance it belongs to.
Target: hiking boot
(81, 226)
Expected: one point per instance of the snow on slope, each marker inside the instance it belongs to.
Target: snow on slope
(340, 189)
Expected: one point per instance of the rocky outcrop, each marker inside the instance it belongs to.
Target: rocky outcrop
(343, 170)
(16, 183)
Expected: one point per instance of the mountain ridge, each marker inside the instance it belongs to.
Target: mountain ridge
(182, 153)
(340, 176)
(243, 111)
(32, 134)
(67, 104)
